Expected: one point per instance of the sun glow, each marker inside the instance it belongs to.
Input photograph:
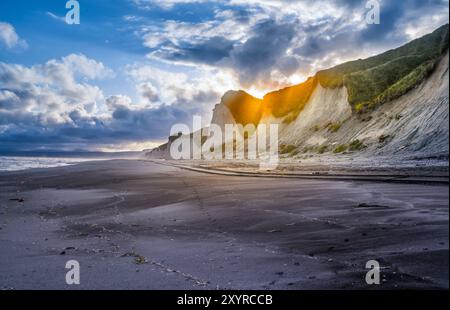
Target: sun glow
(257, 92)
(131, 147)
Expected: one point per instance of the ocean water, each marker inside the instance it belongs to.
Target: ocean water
(16, 163)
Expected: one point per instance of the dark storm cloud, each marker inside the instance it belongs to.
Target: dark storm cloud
(148, 92)
(147, 124)
(391, 14)
(208, 51)
(264, 51)
(27, 131)
(253, 59)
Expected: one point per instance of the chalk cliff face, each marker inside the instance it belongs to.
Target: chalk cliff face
(222, 115)
(392, 104)
(413, 125)
(347, 110)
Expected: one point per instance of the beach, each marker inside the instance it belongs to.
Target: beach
(138, 224)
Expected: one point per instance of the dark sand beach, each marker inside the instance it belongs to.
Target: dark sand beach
(140, 225)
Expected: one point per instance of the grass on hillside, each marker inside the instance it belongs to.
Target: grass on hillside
(376, 80)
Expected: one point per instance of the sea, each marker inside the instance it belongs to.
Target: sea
(13, 162)
(17, 163)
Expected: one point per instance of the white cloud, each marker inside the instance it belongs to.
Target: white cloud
(225, 24)
(131, 18)
(116, 101)
(88, 68)
(8, 99)
(200, 88)
(165, 4)
(55, 87)
(418, 26)
(10, 38)
(56, 17)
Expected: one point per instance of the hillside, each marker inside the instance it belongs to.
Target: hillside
(395, 103)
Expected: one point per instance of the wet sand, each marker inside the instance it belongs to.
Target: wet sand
(141, 225)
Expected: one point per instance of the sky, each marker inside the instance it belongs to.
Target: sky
(132, 68)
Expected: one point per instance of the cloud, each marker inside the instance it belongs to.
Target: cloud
(118, 101)
(56, 85)
(131, 18)
(37, 101)
(159, 87)
(165, 4)
(270, 43)
(56, 17)
(148, 92)
(9, 37)
(21, 130)
(264, 52)
(87, 68)
(208, 50)
(8, 99)
(255, 40)
(55, 105)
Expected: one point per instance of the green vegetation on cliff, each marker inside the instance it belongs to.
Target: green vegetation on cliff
(379, 79)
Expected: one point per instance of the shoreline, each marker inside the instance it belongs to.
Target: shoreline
(407, 176)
